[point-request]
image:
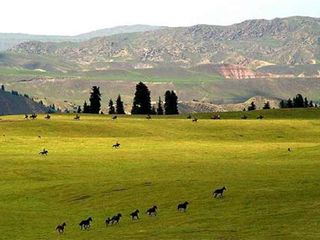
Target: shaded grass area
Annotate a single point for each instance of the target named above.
(271, 193)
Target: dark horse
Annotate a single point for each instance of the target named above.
(44, 152)
(219, 192)
(117, 145)
(33, 116)
(114, 117)
(26, 116)
(148, 117)
(183, 206)
(85, 224)
(60, 228)
(47, 117)
(195, 120)
(135, 215)
(108, 221)
(260, 117)
(77, 117)
(116, 218)
(152, 211)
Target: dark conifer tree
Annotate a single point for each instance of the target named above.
(3, 88)
(282, 104)
(160, 108)
(95, 99)
(266, 105)
(171, 103)
(298, 101)
(306, 102)
(86, 107)
(289, 103)
(111, 107)
(79, 109)
(142, 100)
(119, 106)
(252, 107)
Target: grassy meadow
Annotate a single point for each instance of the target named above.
(271, 193)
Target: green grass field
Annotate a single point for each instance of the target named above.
(271, 193)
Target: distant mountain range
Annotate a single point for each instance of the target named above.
(8, 40)
(219, 64)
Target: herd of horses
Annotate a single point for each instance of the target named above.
(152, 211)
(85, 224)
(194, 119)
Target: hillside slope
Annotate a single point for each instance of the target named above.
(16, 104)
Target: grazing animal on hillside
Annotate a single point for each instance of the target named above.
(60, 228)
(260, 117)
(77, 117)
(183, 206)
(117, 145)
(219, 192)
(195, 120)
(135, 215)
(26, 116)
(33, 116)
(85, 224)
(114, 117)
(44, 152)
(47, 117)
(152, 211)
(244, 117)
(116, 218)
(108, 221)
(148, 117)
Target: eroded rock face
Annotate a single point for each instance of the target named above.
(230, 71)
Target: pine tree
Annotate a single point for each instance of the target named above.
(171, 103)
(142, 100)
(289, 103)
(266, 105)
(3, 88)
(119, 106)
(298, 101)
(306, 102)
(252, 107)
(282, 104)
(79, 109)
(160, 108)
(95, 99)
(111, 107)
(86, 107)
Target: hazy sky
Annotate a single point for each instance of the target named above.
(69, 17)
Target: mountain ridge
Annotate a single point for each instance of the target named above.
(280, 41)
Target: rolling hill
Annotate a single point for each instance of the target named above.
(18, 104)
(9, 40)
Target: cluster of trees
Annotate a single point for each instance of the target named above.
(253, 106)
(297, 102)
(119, 109)
(141, 103)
